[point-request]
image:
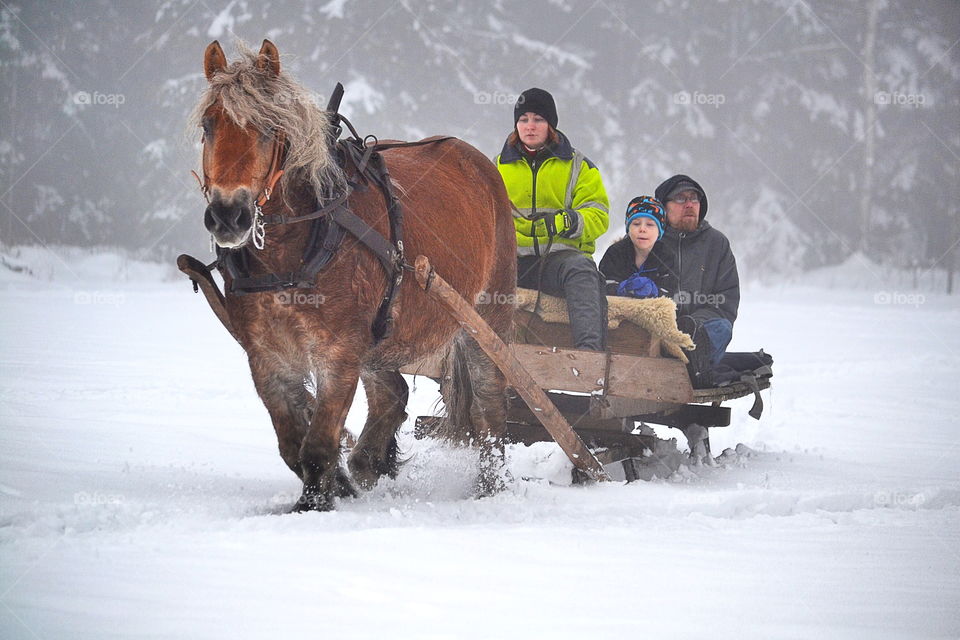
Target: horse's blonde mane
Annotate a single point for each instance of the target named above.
(257, 98)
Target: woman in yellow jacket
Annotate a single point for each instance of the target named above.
(562, 208)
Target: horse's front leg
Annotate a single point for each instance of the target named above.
(320, 449)
(284, 395)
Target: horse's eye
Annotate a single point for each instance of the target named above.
(207, 125)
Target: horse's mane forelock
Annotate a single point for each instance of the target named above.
(257, 98)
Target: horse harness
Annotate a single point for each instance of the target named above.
(329, 224)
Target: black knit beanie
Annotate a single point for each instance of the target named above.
(539, 102)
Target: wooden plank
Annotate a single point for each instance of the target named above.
(552, 368)
(525, 433)
(530, 329)
(515, 373)
(615, 407)
(627, 338)
(658, 379)
(658, 382)
(576, 419)
(564, 369)
(631, 339)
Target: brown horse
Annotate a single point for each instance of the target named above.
(308, 346)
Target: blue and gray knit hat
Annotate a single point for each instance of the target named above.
(646, 207)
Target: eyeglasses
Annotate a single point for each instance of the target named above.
(693, 197)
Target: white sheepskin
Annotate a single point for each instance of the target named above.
(656, 315)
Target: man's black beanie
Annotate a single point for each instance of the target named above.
(669, 186)
(539, 102)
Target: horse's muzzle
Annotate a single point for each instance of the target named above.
(230, 220)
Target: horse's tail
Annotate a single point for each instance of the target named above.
(457, 391)
(473, 392)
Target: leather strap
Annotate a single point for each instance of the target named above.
(277, 218)
(368, 236)
(274, 172)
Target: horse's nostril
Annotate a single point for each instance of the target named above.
(221, 214)
(221, 217)
(210, 220)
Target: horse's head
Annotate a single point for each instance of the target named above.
(241, 155)
(259, 126)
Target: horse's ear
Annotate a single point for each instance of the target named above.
(213, 60)
(269, 58)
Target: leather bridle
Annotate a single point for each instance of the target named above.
(274, 171)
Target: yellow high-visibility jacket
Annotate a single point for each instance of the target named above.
(558, 193)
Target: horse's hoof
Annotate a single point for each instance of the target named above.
(363, 473)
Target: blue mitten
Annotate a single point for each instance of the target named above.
(638, 286)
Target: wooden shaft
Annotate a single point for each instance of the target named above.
(518, 377)
(199, 273)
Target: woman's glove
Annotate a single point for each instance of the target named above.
(566, 223)
(569, 223)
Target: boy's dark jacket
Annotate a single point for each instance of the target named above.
(618, 265)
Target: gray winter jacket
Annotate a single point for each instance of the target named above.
(704, 264)
(702, 261)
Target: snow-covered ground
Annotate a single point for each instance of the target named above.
(142, 495)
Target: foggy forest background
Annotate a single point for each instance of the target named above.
(822, 131)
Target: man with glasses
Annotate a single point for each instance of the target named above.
(708, 291)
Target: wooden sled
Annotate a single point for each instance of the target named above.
(604, 395)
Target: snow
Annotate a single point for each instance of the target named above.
(155, 150)
(225, 22)
(142, 495)
(78, 269)
(333, 9)
(549, 51)
(359, 94)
